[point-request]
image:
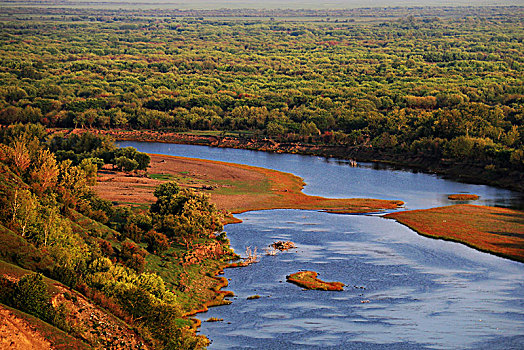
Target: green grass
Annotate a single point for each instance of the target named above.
(87, 226)
(232, 187)
(19, 272)
(192, 283)
(16, 250)
(134, 205)
(162, 177)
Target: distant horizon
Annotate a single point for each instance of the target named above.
(269, 4)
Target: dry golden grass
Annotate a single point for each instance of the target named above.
(309, 280)
(496, 230)
(233, 187)
(463, 197)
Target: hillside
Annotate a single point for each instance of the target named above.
(73, 266)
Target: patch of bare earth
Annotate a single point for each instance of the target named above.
(118, 186)
(94, 326)
(18, 334)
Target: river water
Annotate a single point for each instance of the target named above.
(403, 291)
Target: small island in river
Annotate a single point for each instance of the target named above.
(463, 197)
(309, 280)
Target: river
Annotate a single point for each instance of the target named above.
(403, 291)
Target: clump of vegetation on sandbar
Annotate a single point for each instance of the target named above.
(309, 280)
(463, 197)
(283, 245)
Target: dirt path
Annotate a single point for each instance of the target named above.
(18, 334)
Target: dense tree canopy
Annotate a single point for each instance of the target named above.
(418, 84)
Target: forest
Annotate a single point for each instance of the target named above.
(445, 87)
(442, 85)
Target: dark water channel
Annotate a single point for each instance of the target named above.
(404, 291)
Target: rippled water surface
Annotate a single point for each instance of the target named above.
(404, 291)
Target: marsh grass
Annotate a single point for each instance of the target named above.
(498, 231)
(463, 197)
(309, 280)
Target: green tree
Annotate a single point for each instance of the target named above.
(90, 168)
(143, 160)
(275, 130)
(184, 214)
(31, 296)
(24, 206)
(126, 164)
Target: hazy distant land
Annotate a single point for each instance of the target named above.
(269, 4)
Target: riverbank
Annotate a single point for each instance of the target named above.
(460, 171)
(234, 188)
(497, 231)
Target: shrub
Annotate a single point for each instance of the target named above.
(126, 164)
(30, 295)
(106, 247)
(6, 290)
(156, 242)
(133, 256)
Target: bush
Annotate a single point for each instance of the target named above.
(143, 160)
(126, 164)
(66, 275)
(30, 295)
(7, 289)
(133, 256)
(156, 242)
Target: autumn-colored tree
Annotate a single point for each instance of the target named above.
(20, 156)
(44, 172)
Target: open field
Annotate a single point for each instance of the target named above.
(495, 230)
(266, 4)
(232, 187)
